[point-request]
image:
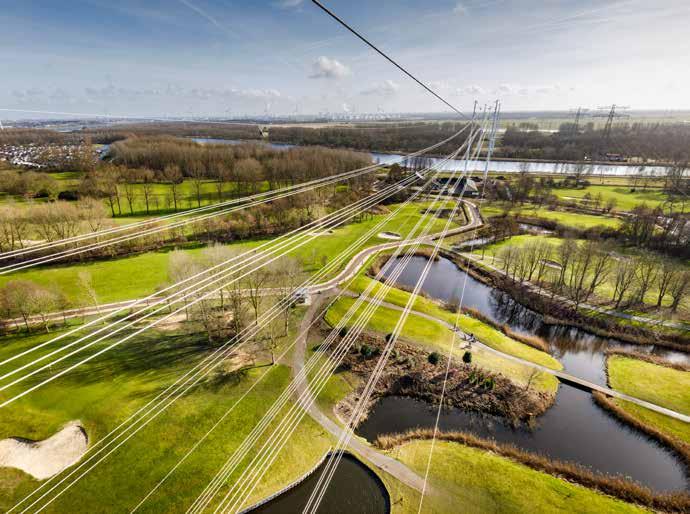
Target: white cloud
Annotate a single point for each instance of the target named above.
(385, 88)
(325, 68)
(472, 90)
(257, 93)
(289, 4)
(460, 9)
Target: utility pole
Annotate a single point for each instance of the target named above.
(576, 127)
(610, 117)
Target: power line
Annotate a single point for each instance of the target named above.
(383, 54)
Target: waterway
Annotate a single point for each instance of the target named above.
(574, 429)
(496, 166)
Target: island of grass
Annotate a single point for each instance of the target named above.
(637, 376)
(480, 481)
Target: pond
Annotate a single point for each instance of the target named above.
(575, 428)
(354, 488)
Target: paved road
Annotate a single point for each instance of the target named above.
(351, 269)
(303, 392)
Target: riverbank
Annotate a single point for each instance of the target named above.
(613, 486)
(557, 313)
(657, 380)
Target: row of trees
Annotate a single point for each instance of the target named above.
(20, 224)
(23, 299)
(29, 184)
(578, 270)
(667, 142)
(235, 306)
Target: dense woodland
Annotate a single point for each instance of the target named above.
(665, 142)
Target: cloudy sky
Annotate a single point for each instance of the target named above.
(233, 57)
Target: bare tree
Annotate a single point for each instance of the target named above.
(646, 272)
(678, 288)
(624, 276)
(147, 178)
(255, 282)
(667, 275)
(173, 176)
(85, 282)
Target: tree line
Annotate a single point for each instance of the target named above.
(578, 270)
(647, 141)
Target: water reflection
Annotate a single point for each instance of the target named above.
(354, 488)
(573, 430)
(581, 353)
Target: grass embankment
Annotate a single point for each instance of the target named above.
(658, 384)
(104, 392)
(566, 218)
(133, 277)
(481, 481)
(439, 337)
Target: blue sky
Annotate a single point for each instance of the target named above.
(214, 57)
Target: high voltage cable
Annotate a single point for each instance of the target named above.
(384, 55)
(277, 195)
(227, 469)
(180, 387)
(328, 225)
(165, 302)
(370, 307)
(288, 391)
(264, 197)
(159, 301)
(352, 333)
(457, 321)
(331, 466)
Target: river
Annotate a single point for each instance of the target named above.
(508, 166)
(575, 428)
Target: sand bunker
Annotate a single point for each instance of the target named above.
(389, 235)
(43, 459)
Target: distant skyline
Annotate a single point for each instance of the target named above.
(231, 58)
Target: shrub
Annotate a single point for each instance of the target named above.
(434, 358)
(467, 358)
(343, 332)
(368, 351)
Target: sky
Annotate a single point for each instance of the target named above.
(245, 57)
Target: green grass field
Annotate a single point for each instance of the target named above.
(437, 337)
(105, 391)
(570, 219)
(482, 482)
(140, 275)
(625, 199)
(664, 386)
